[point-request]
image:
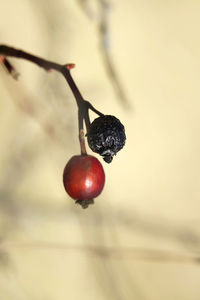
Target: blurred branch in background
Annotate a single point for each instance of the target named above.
(123, 253)
(100, 18)
(5, 259)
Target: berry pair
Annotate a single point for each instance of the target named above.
(83, 175)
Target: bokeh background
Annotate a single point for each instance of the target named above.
(140, 61)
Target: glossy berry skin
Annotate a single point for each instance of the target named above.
(83, 178)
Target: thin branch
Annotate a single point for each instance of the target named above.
(83, 106)
(45, 64)
(9, 68)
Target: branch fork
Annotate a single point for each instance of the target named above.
(83, 105)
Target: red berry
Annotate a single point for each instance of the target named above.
(83, 178)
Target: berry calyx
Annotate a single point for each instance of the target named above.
(83, 179)
(106, 136)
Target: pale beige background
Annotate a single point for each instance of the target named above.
(141, 239)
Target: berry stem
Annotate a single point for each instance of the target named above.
(81, 133)
(90, 106)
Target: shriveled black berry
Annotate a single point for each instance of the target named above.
(106, 136)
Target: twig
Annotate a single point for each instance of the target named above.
(83, 106)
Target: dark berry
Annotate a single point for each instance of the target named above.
(83, 178)
(106, 136)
